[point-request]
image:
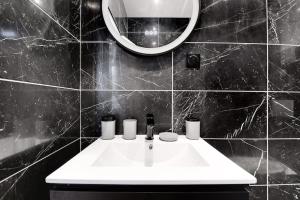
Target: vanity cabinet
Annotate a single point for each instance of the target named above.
(113, 192)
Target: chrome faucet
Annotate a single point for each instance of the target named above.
(149, 127)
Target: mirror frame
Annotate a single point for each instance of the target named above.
(110, 24)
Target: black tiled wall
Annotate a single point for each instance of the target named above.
(245, 93)
(39, 93)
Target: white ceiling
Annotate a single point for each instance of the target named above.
(158, 8)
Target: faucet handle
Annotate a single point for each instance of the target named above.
(150, 119)
(149, 126)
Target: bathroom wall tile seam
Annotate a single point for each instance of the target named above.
(172, 110)
(208, 91)
(80, 67)
(267, 86)
(38, 161)
(38, 84)
(54, 20)
(237, 43)
(226, 139)
(281, 184)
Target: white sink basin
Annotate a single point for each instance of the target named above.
(139, 154)
(133, 162)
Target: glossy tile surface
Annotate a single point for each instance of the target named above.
(258, 192)
(222, 115)
(223, 67)
(107, 66)
(284, 68)
(125, 105)
(30, 183)
(65, 12)
(231, 21)
(40, 61)
(34, 48)
(249, 154)
(93, 27)
(289, 192)
(284, 24)
(23, 20)
(33, 122)
(284, 161)
(284, 113)
(85, 142)
(37, 121)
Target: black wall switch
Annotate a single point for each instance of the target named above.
(193, 61)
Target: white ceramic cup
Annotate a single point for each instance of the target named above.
(129, 129)
(108, 129)
(192, 130)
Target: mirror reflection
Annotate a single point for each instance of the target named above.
(151, 23)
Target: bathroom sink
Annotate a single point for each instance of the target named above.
(141, 162)
(139, 154)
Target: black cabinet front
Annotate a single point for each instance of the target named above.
(84, 192)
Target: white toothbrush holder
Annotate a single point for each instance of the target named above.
(108, 127)
(129, 129)
(192, 129)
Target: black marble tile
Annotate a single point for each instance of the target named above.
(65, 12)
(223, 67)
(284, 23)
(258, 192)
(33, 122)
(178, 25)
(284, 192)
(284, 161)
(85, 142)
(284, 68)
(167, 38)
(251, 155)
(107, 66)
(222, 115)
(231, 21)
(30, 183)
(93, 27)
(39, 61)
(23, 20)
(125, 105)
(284, 114)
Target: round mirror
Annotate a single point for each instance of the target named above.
(150, 27)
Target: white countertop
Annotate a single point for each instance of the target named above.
(93, 166)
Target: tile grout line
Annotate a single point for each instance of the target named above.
(216, 91)
(263, 139)
(37, 6)
(36, 162)
(251, 139)
(272, 185)
(37, 84)
(241, 43)
(172, 103)
(80, 63)
(98, 42)
(267, 29)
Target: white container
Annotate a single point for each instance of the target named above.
(129, 129)
(108, 128)
(192, 129)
